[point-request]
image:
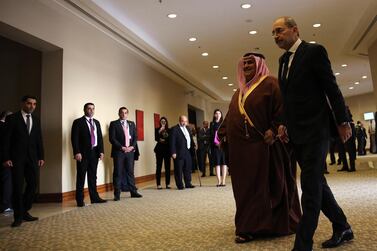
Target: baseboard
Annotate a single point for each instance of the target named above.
(71, 195)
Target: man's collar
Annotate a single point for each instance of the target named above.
(87, 118)
(24, 113)
(294, 47)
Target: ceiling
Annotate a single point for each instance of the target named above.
(348, 28)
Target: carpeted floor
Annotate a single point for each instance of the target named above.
(192, 219)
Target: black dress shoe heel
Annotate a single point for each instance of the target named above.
(338, 238)
(28, 217)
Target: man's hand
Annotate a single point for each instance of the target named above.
(174, 155)
(8, 163)
(283, 134)
(345, 132)
(101, 155)
(269, 137)
(78, 157)
(41, 162)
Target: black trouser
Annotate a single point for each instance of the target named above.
(332, 151)
(350, 148)
(316, 194)
(159, 158)
(203, 152)
(5, 188)
(123, 175)
(182, 165)
(87, 164)
(27, 171)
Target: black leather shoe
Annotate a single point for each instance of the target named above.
(295, 249)
(81, 204)
(99, 200)
(190, 186)
(180, 188)
(28, 217)
(338, 238)
(16, 223)
(343, 170)
(168, 187)
(116, 198)
(136, 195)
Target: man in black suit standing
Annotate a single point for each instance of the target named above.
(204, 136)
(23, 154)
(180, 144)
(87, 144)
(311, 97)
(123, 138)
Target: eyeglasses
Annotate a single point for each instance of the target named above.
(278, 31)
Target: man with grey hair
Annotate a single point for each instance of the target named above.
(312, 103)
(180, 143)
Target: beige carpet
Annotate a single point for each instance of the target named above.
(193, 219)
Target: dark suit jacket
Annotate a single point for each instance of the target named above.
(80, 137)
(178, 142)
(117, 137)
(204, 138)
(310, 80)
(18, 143)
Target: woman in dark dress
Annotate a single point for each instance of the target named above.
(217, 154)
(161, 149)
(263, 175)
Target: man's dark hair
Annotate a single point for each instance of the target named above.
(122, 108)
(4, 114)
(26, 97)
(88, 104)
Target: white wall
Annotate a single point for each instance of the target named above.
(98, 69)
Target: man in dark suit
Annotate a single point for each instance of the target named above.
(23, 154)
(311, 96)
(203, 147)
(123, 138)
(87, 144)
(180, 143)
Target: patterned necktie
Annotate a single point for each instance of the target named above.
(285, 61)
(126, 134)
(92, 136)
(28, 123)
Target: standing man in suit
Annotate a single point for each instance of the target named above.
(180, 144)
(308, 86)
(23, 154)
(87, 144)
(204, 136)
(123, 138)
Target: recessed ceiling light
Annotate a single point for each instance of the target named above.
(364, 77)
(344, 65)
(245, 6)
(316, 25)
(351, 87)
(356, 83)
(205, 54)
(253, 32)
(230, 84)
(234, 89)
(337, 73)
(192, 39)
(224, 77)
(215, 67)
(172, 15)
(312, 42)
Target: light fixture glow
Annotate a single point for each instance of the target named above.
(205, 54)
(234, 89)
(253, 32)
(356, 83)
(172, 15)
(192, 39)
(344, 65)
(337, 73)
(316, 25)
(224, 77)
(215, 67)
(312, 42)
(230, 84)
(364, 77)
(351, 87)
(245, 6)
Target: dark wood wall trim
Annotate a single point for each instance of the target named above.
(67, 196)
